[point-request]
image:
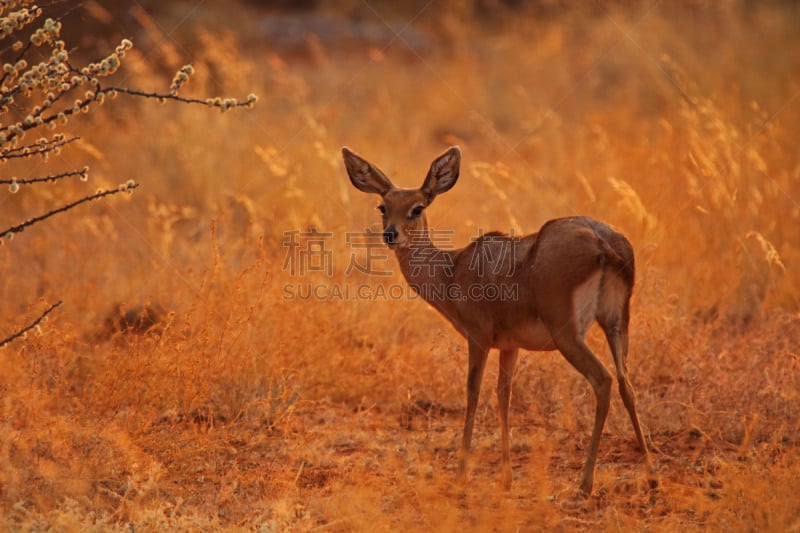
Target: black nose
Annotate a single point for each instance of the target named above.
(390, 235)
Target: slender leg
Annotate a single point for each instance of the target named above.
(508, 358)
(618, 341)
(581, 357)
(477, 362)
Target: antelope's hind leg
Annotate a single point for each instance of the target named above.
(617, 335)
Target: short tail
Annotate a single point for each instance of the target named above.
(619, 256)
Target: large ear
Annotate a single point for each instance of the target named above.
(443, 173)
(365, 176)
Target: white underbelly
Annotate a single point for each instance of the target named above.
(534, 335)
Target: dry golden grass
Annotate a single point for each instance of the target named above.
(247, 410)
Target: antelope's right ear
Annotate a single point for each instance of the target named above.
(443, 173)
(365, 176)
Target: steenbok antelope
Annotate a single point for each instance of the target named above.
(573, 272)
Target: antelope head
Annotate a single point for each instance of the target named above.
(403, 210)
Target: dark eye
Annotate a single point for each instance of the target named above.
(382, 209)
(416, 212)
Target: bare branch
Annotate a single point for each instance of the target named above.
(213, 102)
(82, 106)
(36, 148)
(99, 194)
(52, 177)
(23, 331)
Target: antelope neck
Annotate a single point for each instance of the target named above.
(422, 262)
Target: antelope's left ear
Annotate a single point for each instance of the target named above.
(364, 175)
(443, 173)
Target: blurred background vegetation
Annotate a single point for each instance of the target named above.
(673, 120)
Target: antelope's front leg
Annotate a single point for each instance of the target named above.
(477, 362)
(508, 358)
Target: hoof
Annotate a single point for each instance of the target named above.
(461, 474)
(574, 502)
(506, 481)
(652, 477)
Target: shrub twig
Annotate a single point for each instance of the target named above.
(44, 146)
(32, 325)
(82, 172)
(66, 207)
(33, 96)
